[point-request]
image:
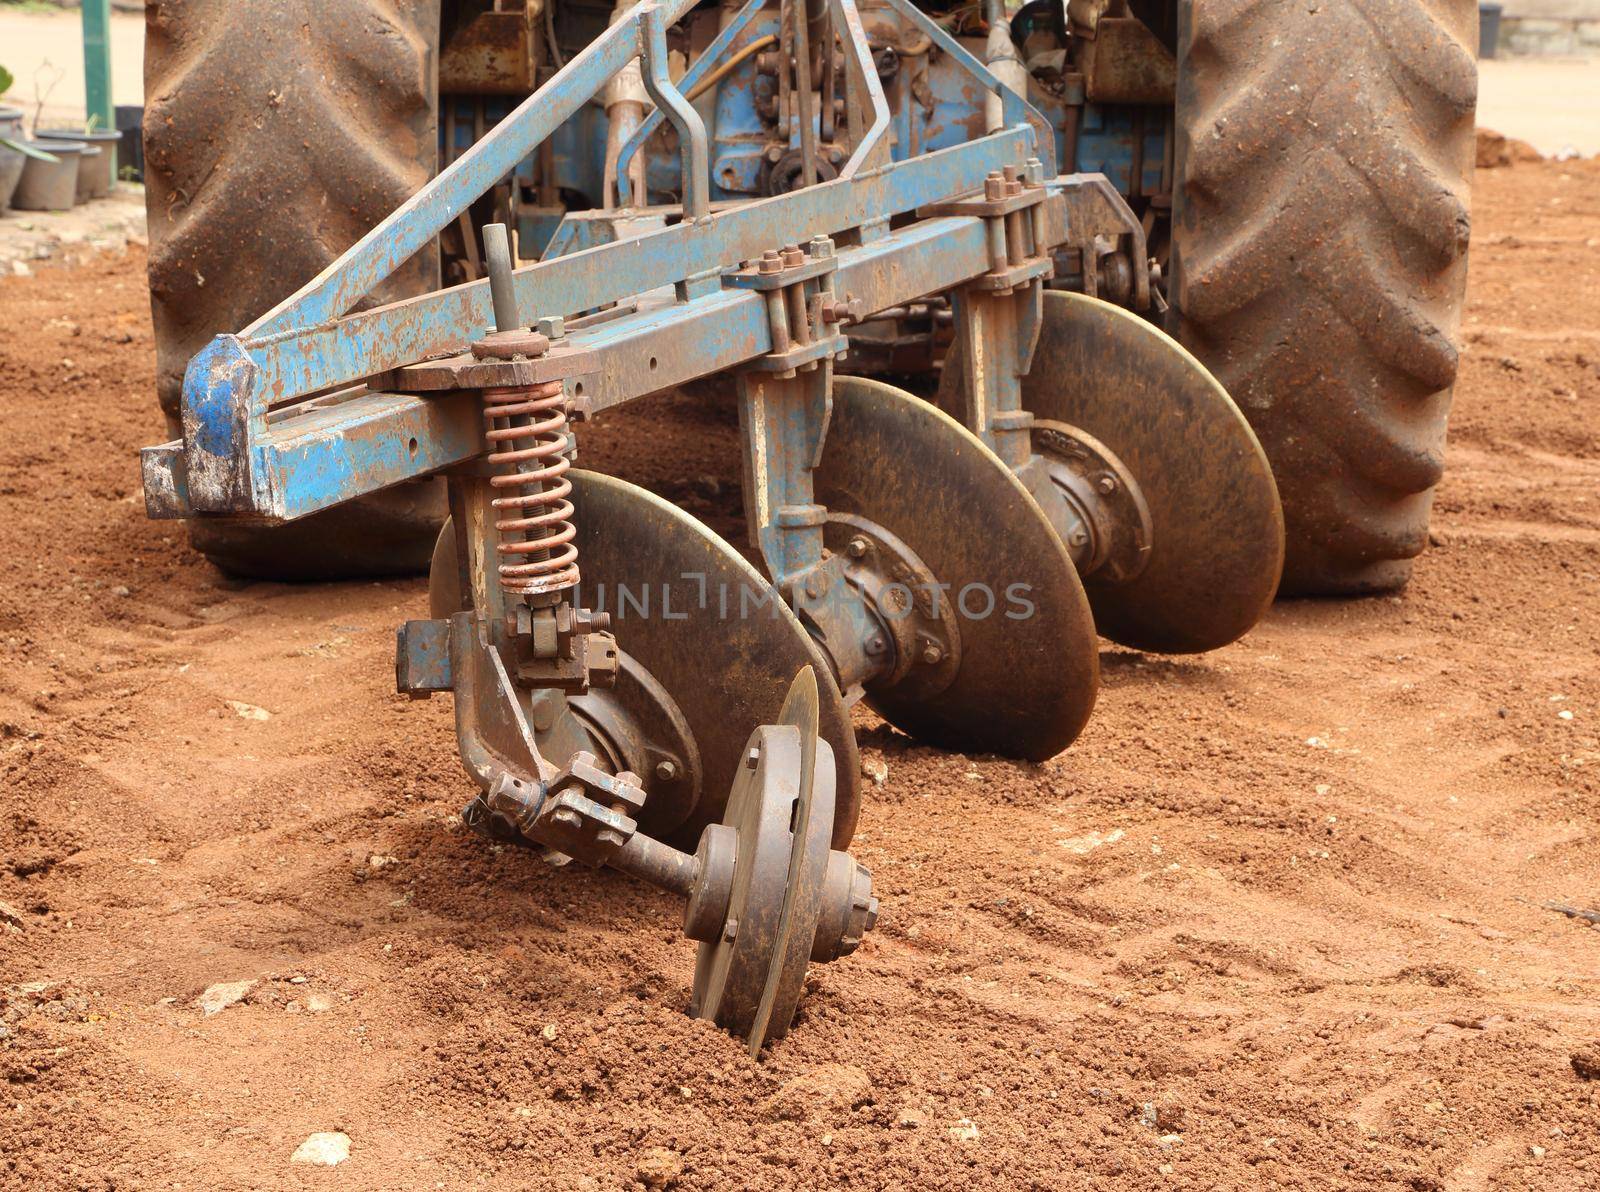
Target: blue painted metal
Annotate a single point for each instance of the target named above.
(381, 251)
(864, 92)
(1014, 108)
(422, 658)
(680, 113)
(295, 362)
(662, 344)
(713, 55)
(258, 440)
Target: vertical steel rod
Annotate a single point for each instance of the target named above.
(502, 285)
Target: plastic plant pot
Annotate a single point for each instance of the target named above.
(130, 153)
(89, 159)
(101, 171)
(49, 185)
(11, 122)
(11, 164)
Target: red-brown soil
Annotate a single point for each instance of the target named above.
(1275, 920)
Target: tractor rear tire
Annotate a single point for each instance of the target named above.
(1324, 164)
(277, 132)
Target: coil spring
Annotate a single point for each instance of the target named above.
(527, 436)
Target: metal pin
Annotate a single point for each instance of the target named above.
(502, 283)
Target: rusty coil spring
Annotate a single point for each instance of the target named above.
(527, 436)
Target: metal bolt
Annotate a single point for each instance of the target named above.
(666, 771)
(876, 646)
(774, 153)
(793, 256)
(815, 586)
(858, 546)
(1106, 484)
(551, 326)
(820, 248)
(730, 930)
(567, 818)
(771, 262)
(1033, 171)
(932, 653)
(994, 186)
(1078, 537)
(753, 758)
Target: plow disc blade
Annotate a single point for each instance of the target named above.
(707, 627)
(1217, 528)
(1030, 665)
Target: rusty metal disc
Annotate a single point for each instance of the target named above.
(1216, 525)
(749, 979)
(1030, 664)
(709, 630)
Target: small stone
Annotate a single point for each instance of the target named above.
(909, 1118)
(549, 1033)
(1090, 841)
(966, 1130)
(378, 861)
(1586, 1062)
(1563, 715)
(876, 769)
(11, 916)
(659, 1167)
(323, 1150)
(21, 269)
(121, 590)
(1166, 1169)
(1167, 1141)
(1169, 1114)
(249, 711)
(316, 1003)
(219, 997)
(1536, 1151)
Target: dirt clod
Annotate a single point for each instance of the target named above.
(659, 1167)
(1586, 1062)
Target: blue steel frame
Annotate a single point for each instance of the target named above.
(291, 416)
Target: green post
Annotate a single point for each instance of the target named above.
(97, 63)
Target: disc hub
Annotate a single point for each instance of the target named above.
(1093, 501)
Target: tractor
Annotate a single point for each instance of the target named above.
(931, 253)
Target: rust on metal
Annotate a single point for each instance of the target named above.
(1216, 529)
(768, 906)
(1029, 659)
(492, 53)
(1125, 63)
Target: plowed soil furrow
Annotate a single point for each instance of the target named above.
(1275, 921)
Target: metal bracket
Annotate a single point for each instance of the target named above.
(1094, 208)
